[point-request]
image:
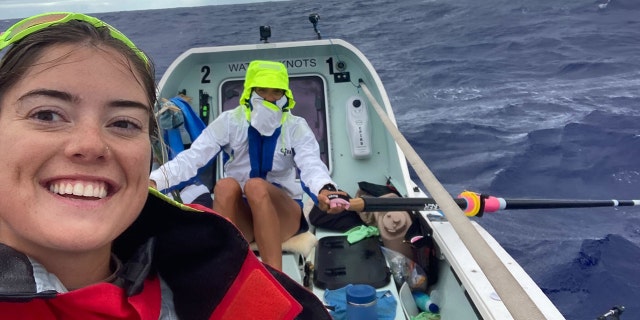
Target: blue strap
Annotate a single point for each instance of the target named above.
(304, 186)
(192, 122)
(174, 141)
(194, 126)
(261, 152)
(307, 190)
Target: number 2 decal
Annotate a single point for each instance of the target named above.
(206, 71)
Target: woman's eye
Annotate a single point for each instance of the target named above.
(46, 115)
(126, 124)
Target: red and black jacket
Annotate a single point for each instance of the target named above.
(201, 256)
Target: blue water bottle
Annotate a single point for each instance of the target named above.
(426, 302)
(361, 302)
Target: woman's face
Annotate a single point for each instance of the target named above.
(270, 94)
(74, 135)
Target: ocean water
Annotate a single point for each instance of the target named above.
(517, 99)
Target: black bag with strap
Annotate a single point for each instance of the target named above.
(338, 263)
(340, 222)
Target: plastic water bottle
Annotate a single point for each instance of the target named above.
(435, 301)
(361, 302)
(426, 302)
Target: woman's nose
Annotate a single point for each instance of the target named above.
(88, 144)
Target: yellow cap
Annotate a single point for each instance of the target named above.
(266, 74)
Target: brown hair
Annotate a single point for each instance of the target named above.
(21, 57)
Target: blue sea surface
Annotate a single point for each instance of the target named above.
(517, 99)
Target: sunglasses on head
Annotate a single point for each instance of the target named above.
(36, 23)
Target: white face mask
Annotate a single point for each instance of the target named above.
(263, 116)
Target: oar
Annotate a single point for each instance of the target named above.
(512, 294)
(477, 204)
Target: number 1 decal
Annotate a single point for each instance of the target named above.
(330, 63)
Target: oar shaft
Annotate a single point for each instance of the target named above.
(556, 204)
(397, 204)
(491, 204)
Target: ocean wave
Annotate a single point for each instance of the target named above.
(599, 271)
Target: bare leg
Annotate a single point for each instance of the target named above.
(276, 218)
(228, 201)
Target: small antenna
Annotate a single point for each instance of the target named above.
(314, 18)
(265, 33)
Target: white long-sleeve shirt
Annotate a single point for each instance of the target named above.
(296, 147)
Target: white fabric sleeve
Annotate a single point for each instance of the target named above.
(313, 172)
(186, 164)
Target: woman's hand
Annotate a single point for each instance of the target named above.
(333, 201)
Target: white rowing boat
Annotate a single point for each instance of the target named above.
(344, 101)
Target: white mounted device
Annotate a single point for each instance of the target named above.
(358, 128)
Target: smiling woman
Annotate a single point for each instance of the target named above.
(76, 114)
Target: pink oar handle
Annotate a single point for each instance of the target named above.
(493, 204)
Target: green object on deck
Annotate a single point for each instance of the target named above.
(426, 316)
(360, 232)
